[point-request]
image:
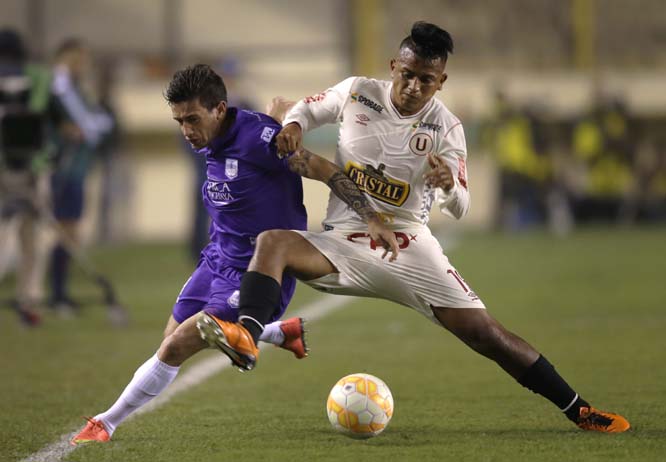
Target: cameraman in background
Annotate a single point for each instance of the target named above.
(24, 103)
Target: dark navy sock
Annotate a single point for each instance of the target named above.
(542, 378)
(59, 273)
(259, 298)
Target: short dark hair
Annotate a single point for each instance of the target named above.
(428, 41)
(198, 81)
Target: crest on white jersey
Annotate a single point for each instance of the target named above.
(231, 168)
(267, 134)
(421, 144)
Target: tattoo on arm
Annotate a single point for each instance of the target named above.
(346, 189)
(305, 163)
(299, 163)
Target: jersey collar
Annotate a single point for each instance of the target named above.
(425, 108)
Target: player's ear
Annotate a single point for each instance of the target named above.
(392, 65)
(442, 79)
(221, 109)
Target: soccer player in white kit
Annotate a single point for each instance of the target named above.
(406, 151)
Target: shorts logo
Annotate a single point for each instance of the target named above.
(421, 144)
(231, 168)
(267, 134)
(403, 240)
(234, 299)
(372, 181)
(355, 97)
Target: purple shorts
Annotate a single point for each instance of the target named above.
(215, 288)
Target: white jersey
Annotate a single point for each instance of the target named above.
(385, 152)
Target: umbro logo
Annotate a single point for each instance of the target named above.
(362, 119)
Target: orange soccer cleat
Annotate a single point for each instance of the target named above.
(231, 338)
(593, 419)
(294, 337)
(94, 431)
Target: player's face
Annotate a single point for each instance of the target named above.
(198, 124)
(415, 81)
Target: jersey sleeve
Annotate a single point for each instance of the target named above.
(456, 201)
(263, 152)
(323, 108)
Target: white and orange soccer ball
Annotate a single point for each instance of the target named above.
(360, 406)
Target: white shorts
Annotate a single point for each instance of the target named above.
(421, 276)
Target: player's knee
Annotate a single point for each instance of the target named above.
(273, 242)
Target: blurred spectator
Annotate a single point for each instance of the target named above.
(82, 128)
(646, 200)
(24, 97)
(603, 148)
(518, 141)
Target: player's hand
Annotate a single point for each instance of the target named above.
(440, 176)
(278, 108)
(289, 139)
(381, 234)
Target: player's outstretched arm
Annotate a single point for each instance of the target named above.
(315, 167)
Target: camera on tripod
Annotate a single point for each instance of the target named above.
(22, 130)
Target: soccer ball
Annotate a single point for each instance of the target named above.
(360, 406)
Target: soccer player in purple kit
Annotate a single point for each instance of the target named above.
(249, 189)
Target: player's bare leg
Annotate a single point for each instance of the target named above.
(182, 344)
(171, 326)
(485, 335)
(276, 251)
(481, 332)
(181, 341)
(279, 250)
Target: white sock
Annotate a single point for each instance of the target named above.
(149, 380)
(272, 334)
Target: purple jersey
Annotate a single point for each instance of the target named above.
(249, 189)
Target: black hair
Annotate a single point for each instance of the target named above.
(428, 41)
(198, 81)
(69, 44)
(11, 45)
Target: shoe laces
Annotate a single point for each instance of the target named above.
(594, 418)
(97, 424)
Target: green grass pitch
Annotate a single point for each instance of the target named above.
(593, 303)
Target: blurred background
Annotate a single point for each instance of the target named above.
(563, 102)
